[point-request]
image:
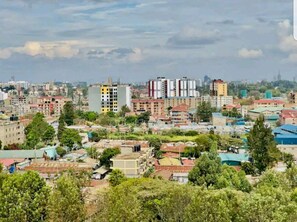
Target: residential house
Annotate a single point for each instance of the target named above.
(288, 116)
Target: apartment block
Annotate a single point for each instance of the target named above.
(218, 88)
(168, 88)
(109, 97)
(218, 101)
(51, 105)
(191, 102)
(133, 164)
(11, 132)
(154, 106)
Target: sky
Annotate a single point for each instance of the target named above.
(136, 40)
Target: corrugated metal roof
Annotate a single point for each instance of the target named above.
(12, 154)
(233, 157)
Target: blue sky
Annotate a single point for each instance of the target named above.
(133, 40)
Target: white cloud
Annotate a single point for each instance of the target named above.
(5, 53)
(287, 43)
(59, 49)
(250, 53)
(137, 56)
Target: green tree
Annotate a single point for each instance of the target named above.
(91, 116)
(92, 152)
(262, 146)
(61, 126)
(49, 134)
(248, 168)
(70, 137)
(23, 197)
(206, 170)
(61, 151)
(116, 177)
(66, 201)
(124, 109)
(68, 111)
(143, 117)
(0, 144)
(107, 155)
(38, 130)
(204, 111)
(231, 178)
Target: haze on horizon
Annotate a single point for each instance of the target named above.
(134, 40)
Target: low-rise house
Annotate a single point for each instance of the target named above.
(288, 116)
(286, 138)
(50, 168)
(233, 159)
(270, 113)
(175, 166)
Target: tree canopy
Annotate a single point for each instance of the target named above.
(262, 146)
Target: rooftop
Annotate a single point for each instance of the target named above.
(269, 101)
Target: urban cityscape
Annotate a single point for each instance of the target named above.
(114, 126)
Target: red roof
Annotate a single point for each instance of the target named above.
(289, 113)
(269, 101)
(173, 148)
(180, 108)
(147, 100)
(8, 162)
(188, 162)
(231, 106)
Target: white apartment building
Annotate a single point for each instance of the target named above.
(169, 88)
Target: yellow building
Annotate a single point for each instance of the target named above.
(218, 88)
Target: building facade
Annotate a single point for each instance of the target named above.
(268, 103)
(192, 102)
(51, 105)
(218, 88)
(218, 101)
(180, 115)
(154, 106)
(11, 132)
(288, 116)
(168, 88)
(133, 164)
(109, 97)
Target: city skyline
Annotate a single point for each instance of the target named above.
(135, 41)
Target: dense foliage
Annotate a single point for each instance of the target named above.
(107, 155)
(262, 146)
(158, 200)
(38, 131)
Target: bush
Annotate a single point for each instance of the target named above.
(61, 151)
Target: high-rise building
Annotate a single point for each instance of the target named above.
(218, 88)
(109, 97)
(169, 88)
(11, 132)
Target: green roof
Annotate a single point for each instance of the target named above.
(21, 154)
(263, 109)
(227, 157)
